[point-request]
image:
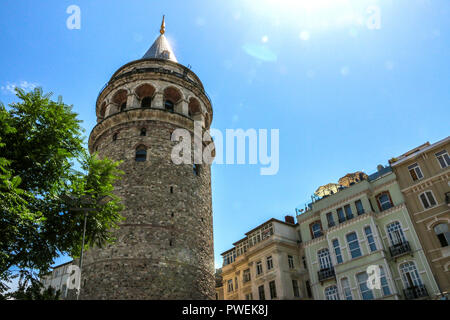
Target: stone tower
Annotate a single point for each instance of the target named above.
(164, 248)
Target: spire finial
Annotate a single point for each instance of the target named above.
(163, 26)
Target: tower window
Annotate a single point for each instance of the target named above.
(196, 169)
(143, 132)
(123, 106)
(146, 102)
(169, 105)
(141, 154)
(114, 137)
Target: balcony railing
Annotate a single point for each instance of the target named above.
(325, 274)
(415, 292)
(399, 249)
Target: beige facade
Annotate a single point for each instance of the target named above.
(58, 278)
(266, 264)
(424, 178)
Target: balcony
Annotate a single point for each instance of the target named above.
(399, 249)
(325, 274)
(415, 292)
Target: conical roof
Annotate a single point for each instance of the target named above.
(161, 48)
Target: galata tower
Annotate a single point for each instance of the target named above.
(164, 248)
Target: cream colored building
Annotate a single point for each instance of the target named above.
(423, 174)
(266, 264)
(57, 279)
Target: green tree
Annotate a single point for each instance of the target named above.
(41, 193)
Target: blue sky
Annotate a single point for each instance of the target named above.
(344, 97)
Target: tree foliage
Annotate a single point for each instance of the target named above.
(42, 195)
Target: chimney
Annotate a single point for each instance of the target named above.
(289, 219)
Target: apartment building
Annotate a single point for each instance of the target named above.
(266, 264)
(423, 175)
(57, 279)
(364, 224)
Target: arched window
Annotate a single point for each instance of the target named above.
(395, 233)
(169, 105)
(443, 234)
(410, 276)
(143, 132)
(141, 154)
(366, 292)
(146, 102)
(331, 293)
(123, 106)
(324, 259)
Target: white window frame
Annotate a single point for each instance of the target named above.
(367, 238)
(331, 292)
(445, 159)
(417, 171)
(391, 234)
(348, 245)
(269, 261)
(365, 283)
(324, 259)
(346, 289)
(340, 250)
(413, 272)
(291, 262)
(259, 271)
(425, 193)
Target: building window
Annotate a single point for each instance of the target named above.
(269, 263)
(427, 199)
(114, 138)
(123, 107)
(331, 293)
(295, 288)
(415, 172)
(316, 229)
(366, 293)
(443, 159)
(143, 132)
(441, 231)
(304, 262)
(409, 274)
(359, 207)
(395, 233)
(370, 239)
(348, 212)
(353, 245)
(230, 285)
(236, 283)
(262, 294)
(248, 296)
(324, 259)
(337, 251)
(169, 105)
(330, 220)
(341, 216)
(384, 284)
(146, 102)
(259, 268)
(273, 290)
(196, 169)
(346, 289)
(384, 201)
(246, 275)
(308, 289)
(141, 154)
(291, 262)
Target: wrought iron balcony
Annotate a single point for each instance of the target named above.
(399, 249)
(325, 274)
(415, 292)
